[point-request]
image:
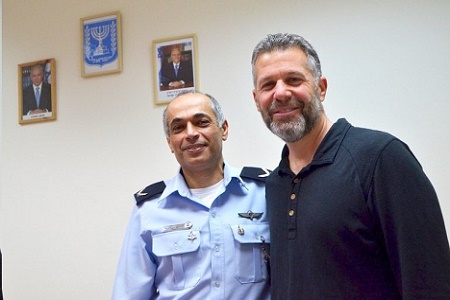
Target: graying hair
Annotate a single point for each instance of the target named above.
(284, 41)
(37, 67)
(215, 106)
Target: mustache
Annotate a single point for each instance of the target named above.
(193, 146)
(291, 103)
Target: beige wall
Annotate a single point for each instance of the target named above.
(66, 186)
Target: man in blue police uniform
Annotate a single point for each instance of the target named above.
(353, 214)
(204, 233)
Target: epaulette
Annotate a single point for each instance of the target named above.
(258, 174)
(149, 192)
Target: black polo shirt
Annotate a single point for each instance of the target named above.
(361, 221)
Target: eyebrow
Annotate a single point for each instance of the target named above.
(196, 116)
(288, 73)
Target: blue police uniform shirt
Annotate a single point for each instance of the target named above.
(175, 247)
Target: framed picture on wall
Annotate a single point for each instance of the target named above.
(101, 46)
(37, 91)
(174, 67)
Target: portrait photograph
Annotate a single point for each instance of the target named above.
(175, 67)
(101, 49)
(37, 91)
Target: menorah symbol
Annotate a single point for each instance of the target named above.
(100, 33)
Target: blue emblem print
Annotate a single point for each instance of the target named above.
(160, 56)
(100, 42)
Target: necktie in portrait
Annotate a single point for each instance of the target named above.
(38, 97)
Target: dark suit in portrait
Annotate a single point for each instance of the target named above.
(29, 99)
(185, 73)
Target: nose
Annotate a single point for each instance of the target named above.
(282, 91)
(191, 131)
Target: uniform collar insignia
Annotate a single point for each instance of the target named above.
(250, 215)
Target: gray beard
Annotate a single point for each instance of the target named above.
(295, 130)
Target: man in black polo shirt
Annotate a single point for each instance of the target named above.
(352, 214)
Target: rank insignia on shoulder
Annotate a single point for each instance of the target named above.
(149, 192)
(250, 215)
(258, 174)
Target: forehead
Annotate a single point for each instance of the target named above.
(36, 71)
(289, 60)
(189, 106)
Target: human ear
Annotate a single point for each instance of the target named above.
(255, 98)
(225, 130)
(323, 85)
(170, 145)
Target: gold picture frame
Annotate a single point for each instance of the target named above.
(169, 80)
(101, 44)
(37, 91)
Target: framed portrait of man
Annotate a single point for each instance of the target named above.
(174, 67)
(37, 91)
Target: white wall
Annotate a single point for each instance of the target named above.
(66, 186)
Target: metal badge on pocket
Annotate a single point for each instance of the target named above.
(175, 227)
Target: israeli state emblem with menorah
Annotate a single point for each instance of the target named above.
(100, 42)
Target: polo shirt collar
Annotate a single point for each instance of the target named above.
(327, 150)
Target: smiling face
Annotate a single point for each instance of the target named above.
(195, 137)
(286, 94)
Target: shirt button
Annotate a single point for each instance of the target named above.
(217, 283)
(296, 180)
(291, 212)
(292, 196)
(213, 215)
(217, 248)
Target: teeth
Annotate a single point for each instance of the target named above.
(285, 110)
(193, 147)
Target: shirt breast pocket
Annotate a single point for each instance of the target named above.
(250, 242)
(180, 256)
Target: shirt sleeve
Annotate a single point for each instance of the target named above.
(412, 227)
(136, 270)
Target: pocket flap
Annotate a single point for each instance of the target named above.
(178, 242)
(251, 233)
